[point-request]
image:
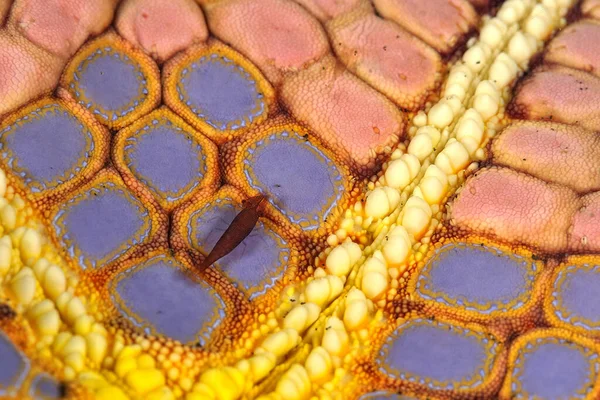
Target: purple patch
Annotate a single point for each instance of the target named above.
(47, 147)
(220, 92)
(438, 355)
(14, 367)
(554, 369)
(301, 181)
(166, 159)
(101, 224)
(475, 277)
(159, 297)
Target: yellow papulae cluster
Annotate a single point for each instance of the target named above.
(65, 334)
(403, 207)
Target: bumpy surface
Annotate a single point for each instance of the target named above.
(430, 229)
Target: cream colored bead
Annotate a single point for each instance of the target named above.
(493, 32)
(83, 324)
(460, 75)
(30, 246)
(397, 246)
(301, 317)
(39, 268)
(421, 147)
(440, 115)
(338, 261)
(539, 24)
(280, 343)
(262, 364)
(512, 11)
(294, 384)
(54, 281)
(377, 204)
(335, 339)
(75, 344)
(356, 313)
(455, 104)
(503, 71)
(453, 158)
(476, 57)
(470, 134)
(97, 346)
(23, 286)
(434, 185)
(420, 119)
(74, 310)
(47, 323)
(319, 365)
(5, 257)
(393, 197)
(521, 47)
(323, 290)
(8, 217)
(455, 90)
(374, 284)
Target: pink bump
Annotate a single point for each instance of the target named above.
(584, 235)
(441, 23)
(576, 46)
(325, 10)
(559, 94)
(161, 28)
(26, 71)
(345, 112)
(59, 26)
(557, 153)
(390, 59)
(277, 35)
(516, 208)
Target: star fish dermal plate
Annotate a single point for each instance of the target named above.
(552, 363)
(160, 298)
(264, 260)
(572, 300)
(217, 91)
(52, 146)
(103, 220)
(14, 368)
(115, 81)
(306, 185)
(164, 154)
(474, 279)
(437, 357)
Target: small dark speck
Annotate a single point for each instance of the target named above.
(478, 62)
(277, 185)
(384, 48)
(293, 300)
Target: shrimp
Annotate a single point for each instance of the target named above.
(236, 232)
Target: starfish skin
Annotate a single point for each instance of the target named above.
(429, 228)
